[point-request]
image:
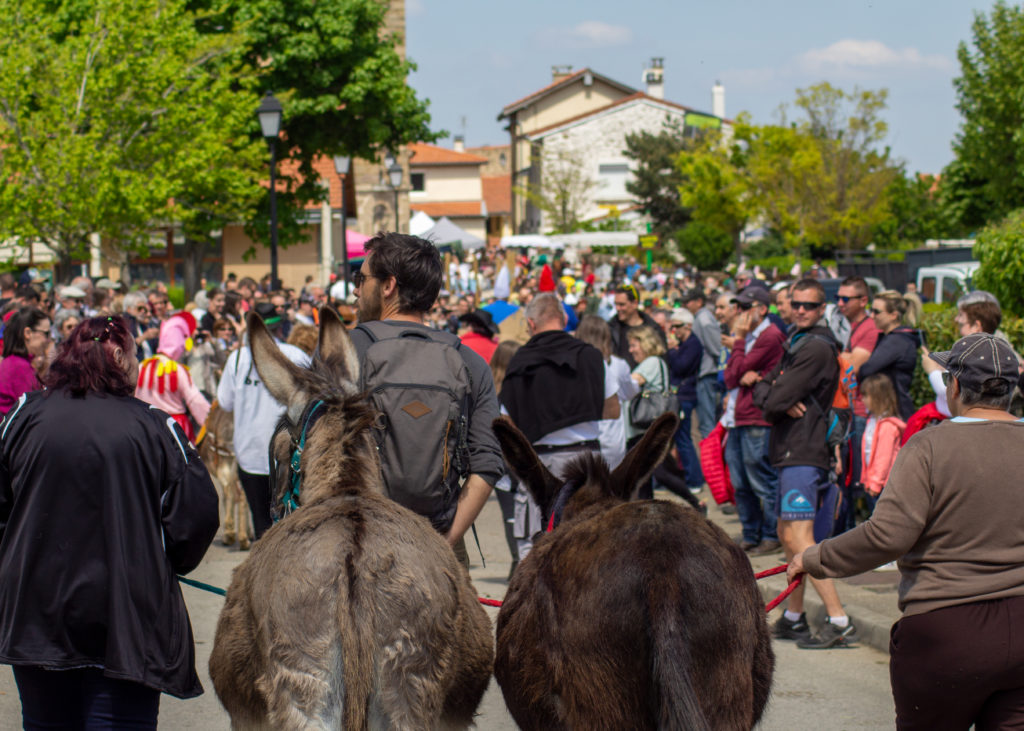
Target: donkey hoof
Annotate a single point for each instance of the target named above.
(228, 539)
(243, 545)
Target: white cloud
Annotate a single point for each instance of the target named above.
(588, 34)
(851, 55)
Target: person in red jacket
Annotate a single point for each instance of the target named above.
(756, 350)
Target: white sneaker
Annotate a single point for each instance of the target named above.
(891, 566)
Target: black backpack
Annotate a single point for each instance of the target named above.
(421, 388)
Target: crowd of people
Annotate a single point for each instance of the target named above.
(574, 353)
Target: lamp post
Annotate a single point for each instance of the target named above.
(342, 164)
(395, 178)
(269, 114)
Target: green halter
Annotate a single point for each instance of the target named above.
(290, 500)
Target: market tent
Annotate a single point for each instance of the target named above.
(531, 241)
(445, 232)
(601, 238)
(420, 223)
(354, 243)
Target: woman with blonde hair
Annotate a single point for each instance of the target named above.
(895, 355)
(592, 329)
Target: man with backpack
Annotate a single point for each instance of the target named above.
(796, 399)
(436, 398)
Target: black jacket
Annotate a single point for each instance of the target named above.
(552, 382)
(895, 355)
(807, 373)
(102, 502)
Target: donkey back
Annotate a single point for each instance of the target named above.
(629, 614)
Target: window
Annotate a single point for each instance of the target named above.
(613, 177)
(417, 182)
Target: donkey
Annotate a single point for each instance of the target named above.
(638, 615)
(351, 612)
(216, 449)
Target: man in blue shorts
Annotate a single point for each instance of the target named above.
(795, 398)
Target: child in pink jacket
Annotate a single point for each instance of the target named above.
(882, 435)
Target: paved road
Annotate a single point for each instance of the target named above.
(835, 689)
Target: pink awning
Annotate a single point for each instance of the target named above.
(354, 241)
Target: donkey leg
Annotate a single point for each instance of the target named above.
(245, 531)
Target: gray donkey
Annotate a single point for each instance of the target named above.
(628, 614)
(352, 612)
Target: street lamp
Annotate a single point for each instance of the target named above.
(342, 164)
(269, 114)
(395, 178)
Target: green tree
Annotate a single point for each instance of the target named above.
(704, 246)
(987, 179)
(109, 111)
(340, 79)
(1000, 249)
(916, 213)
(716, 186)
(656, 179)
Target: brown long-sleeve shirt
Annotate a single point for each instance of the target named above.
(952, 513)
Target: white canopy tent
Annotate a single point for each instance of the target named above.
(576, 241)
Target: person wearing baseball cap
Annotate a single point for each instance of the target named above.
(950, 515)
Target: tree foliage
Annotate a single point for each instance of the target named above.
(704, 246)
(656, 178)
(109, 111)
(1000, 249)
(916, 213)
(986, 181)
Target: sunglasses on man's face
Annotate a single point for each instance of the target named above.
(843, 299)
(744, 305)
(876, 311)
(805, 305)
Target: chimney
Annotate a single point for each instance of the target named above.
(654, 78)
(718, 99)
(560, 72)
(460, 143)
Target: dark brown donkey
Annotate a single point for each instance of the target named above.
(638, 615)
(352, 612)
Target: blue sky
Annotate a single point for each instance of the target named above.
(476, 56)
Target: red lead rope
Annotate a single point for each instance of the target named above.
(759, 575)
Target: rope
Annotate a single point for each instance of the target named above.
(200, 585)
(759, 575)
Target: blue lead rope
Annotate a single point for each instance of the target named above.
(201, 585)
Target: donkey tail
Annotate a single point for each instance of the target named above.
(678, 707)
(357, 666)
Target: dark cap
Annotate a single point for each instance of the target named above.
(976, 358)
(482, 319)
(692, 294)
(268, 313)
(754, 295)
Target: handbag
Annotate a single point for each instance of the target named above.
(648, 405)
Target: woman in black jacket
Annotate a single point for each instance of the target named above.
(102, 502)
(895, 355)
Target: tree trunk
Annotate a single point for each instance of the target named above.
(62, 267)
(737, 244)
(192, 260)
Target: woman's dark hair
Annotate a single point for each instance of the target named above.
(95, 358)
(415, 264)
(231, 301)
(14, 330)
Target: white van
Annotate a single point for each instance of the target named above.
(946, 283)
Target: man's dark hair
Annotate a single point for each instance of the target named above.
(27, 292)
(7, 281)
(630, 291)
(986, 314)
(806, 285)
(858, 283)
(415, 264)
(213, 292)
(995, 393)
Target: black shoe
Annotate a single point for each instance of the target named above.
(829, 636)
(728, 509)
(784, 629)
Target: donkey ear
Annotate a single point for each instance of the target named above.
(281, 377)
(525, 463)
(335, 346)
(638, 464)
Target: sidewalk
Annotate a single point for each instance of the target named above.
(869, 598)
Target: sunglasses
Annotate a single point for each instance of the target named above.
(844, 299)
(745, 305)
(946, 378)
(876, 311)
(358, 278)
(805, 305)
